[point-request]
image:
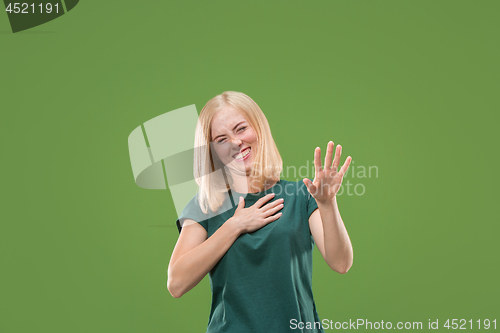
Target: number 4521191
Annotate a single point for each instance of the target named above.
(25, 8)
(464, 324)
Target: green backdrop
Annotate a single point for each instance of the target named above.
(410, 87)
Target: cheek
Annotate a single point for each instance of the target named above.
(222, 152)
(251, 136)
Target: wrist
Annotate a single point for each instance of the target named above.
(327, 201)
(234, 226)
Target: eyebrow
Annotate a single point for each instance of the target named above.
(238, 124)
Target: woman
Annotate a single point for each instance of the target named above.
(253, 232)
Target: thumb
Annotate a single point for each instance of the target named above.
(309, 185)
(241, 203)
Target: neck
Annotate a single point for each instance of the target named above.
(242, 184)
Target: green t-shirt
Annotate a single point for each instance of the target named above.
(264, 281)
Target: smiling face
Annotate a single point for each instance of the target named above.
(233, 139)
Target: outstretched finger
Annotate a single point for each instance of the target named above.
(344, 168)
(259, 203)
(273, 210)
(272, 204)
(329, 154)
(336, 160)
(272, 218)
(317, 160)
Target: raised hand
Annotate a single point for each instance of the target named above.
(327, 180)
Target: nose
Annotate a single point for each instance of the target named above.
(236, 141)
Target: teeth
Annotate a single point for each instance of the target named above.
(240, 156)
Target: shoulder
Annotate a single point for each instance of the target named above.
(191, 211)
(297, 196)
(193, 206)
(298, 190)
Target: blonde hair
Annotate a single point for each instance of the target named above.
(267, 160)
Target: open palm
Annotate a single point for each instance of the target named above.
(327, 180)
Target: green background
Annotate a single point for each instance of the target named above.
(410, 87)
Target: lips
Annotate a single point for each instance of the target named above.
(242, 153)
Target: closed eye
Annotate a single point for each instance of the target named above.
(241, 129)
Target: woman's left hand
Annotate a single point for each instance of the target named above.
(327, 180)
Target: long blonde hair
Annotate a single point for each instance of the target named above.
(267, 166)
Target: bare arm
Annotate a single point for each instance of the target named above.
(330, 235)
(194, 255)
(326, 224)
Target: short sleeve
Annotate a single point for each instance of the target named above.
(193, 211)
(312, 205)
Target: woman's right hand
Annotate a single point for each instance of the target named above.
(195, 254)
(256, 216)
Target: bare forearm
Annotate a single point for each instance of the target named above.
(338, 248)
(187, 271)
